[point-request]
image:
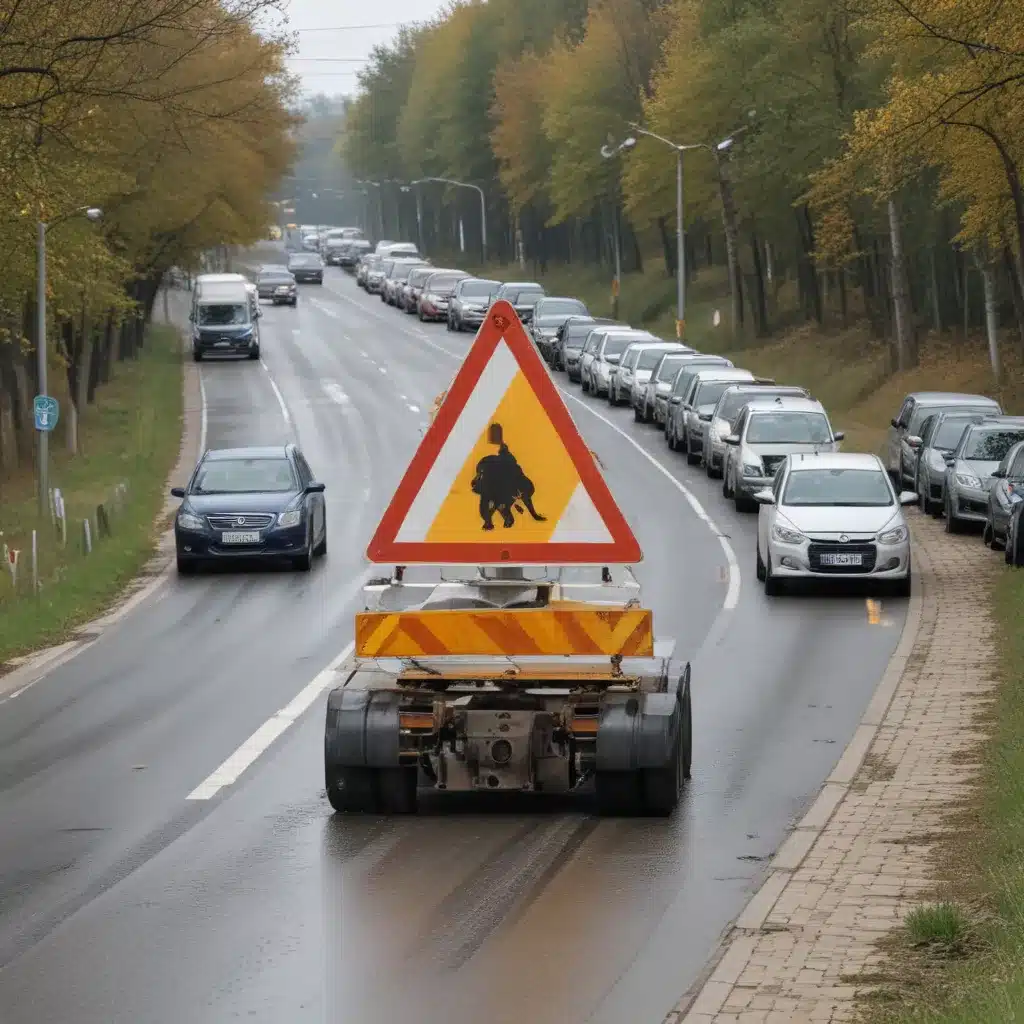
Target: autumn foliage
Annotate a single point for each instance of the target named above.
(171, 117)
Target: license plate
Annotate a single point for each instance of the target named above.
(841, 559)
(223, 344)
(240, 537)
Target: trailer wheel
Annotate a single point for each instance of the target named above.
(686, 730)
(396, 788)
(664, 785)
(619, 794)
(351, 790)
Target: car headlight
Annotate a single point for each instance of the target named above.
(188, 521)
(966, 480)
(751, 470)
(780, 533)
(895, 536)
(292, 518)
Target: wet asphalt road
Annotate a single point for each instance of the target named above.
(121, 901)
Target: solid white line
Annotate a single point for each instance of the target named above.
(277, 394)
(414, 408)
(258, 743)
(203, 413)
(383, 369)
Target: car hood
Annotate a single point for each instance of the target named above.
(983, 470)
(272, 501)
(227, 330)
(853, 521)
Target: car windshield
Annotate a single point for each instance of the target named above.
(788, 428)
(526, 296)
(275, 275)
(710, 392)
(401, 271)
(866, 488)
(731, 404)
(947, 437)
(304, 261)
(615, 346)
(478, 290)
(669, 366)
(553, 307)
(576, 336)
(242, 476)
(223, 314)
(443, 283)
(990, 444)
(649, 358)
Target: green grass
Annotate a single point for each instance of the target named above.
(130, 436)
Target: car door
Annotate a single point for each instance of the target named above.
(767, 514)
(896, 431)
(313, 505)
(731, 450)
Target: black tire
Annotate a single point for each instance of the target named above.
(901, 588)
(988, 535)
(321, 548)
(953, 525)
(197, 356)
(637, 415)
(773, 586)
(584, 385)
(744, 504)
(304, 562)
(662, 786)
(186, 566)
(760, 571)
(396, 790)
(692, 458)
(255, 354)
(351, 790)
(618, 794)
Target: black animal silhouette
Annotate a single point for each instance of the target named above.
(502, 485)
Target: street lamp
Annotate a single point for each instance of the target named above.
(93, 213)
(609, 153)
(483, 206)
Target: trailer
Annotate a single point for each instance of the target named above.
(498, 683)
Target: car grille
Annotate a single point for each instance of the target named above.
(772, 463)
(867, 552)
(230, 520)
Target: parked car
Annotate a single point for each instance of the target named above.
(394, 282)
(970, 467)
(705, 390)
(306, 267)
(661, 388)
(413, 287)
(681, 378)
(1006, 492)
(548, 315)
(437, 293)
(767, 431)
(245, 503)
(351, 252)
(833, 516)
(377, 273)
(590, 347)
(913, 412)
(470, 301)
(603, 368)
(717, 425)
(278, 285)
(638, 361)
(225, 321)
(366, 261)
(940, 434)
(524, 296)
(572, 337)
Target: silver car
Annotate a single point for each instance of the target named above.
(574, 340)
(655, 402)
(703, 396)
(915, 409)
(594, 341)
(716, 425)
(969, 469)
(766, 432)
(833, 516)
(604, 367)
(638, 362)
(940, 434)
(680, 386)
(1006, 491)
(394, 282)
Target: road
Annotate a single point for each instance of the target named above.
(122, 900)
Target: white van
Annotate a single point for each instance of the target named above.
(224, 320)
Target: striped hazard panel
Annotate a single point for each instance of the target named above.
(629, 632)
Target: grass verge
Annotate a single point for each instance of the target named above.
(130, 436)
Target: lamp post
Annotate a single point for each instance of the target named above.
(483, 206)
(609, 153)
(94, 213)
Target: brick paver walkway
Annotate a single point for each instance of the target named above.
(860, 859)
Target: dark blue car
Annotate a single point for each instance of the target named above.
(246, 503)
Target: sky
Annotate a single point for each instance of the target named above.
(334, 39)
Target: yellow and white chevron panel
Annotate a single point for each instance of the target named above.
(542, 631)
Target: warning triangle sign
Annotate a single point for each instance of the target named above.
(502, 476)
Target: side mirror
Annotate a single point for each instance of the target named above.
(734, 439)
(705, 417)
(913, 441)
(177, 492)
(675, 399)
(315, 488)
(1000, 473)
(765, 497)
(257, 313)
(839, 435)
(895, 422)
(908, 498)
(949, 458)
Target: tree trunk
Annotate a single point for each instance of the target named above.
(667, 247)
(1010, 266)
(906, 342)
(732, 254)
(760, 298)
(988, 283)
(934, 287)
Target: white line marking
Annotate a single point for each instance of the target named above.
(203, 414)
(383, 369)
(296, 331)
(277, 394)
(334, 392)
(413, 408)
(258, 743)
(404, 398)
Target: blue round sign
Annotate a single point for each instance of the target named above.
(47, 411)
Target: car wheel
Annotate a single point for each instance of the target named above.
(197, 356)
(988, 535)
(186, 566)
(304, 562)
(254, 354)
(953, 525)
(321, 548)
(744, 504)
(773, 586)
(760, 564)
(584, 384)
(638, 416)
(692, 458)
(712, 470)
(901, 588)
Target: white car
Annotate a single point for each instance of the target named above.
(832, 516)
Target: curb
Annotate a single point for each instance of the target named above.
(30, 668)
(707, 995)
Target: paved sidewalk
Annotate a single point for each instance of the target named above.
(860, 859)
